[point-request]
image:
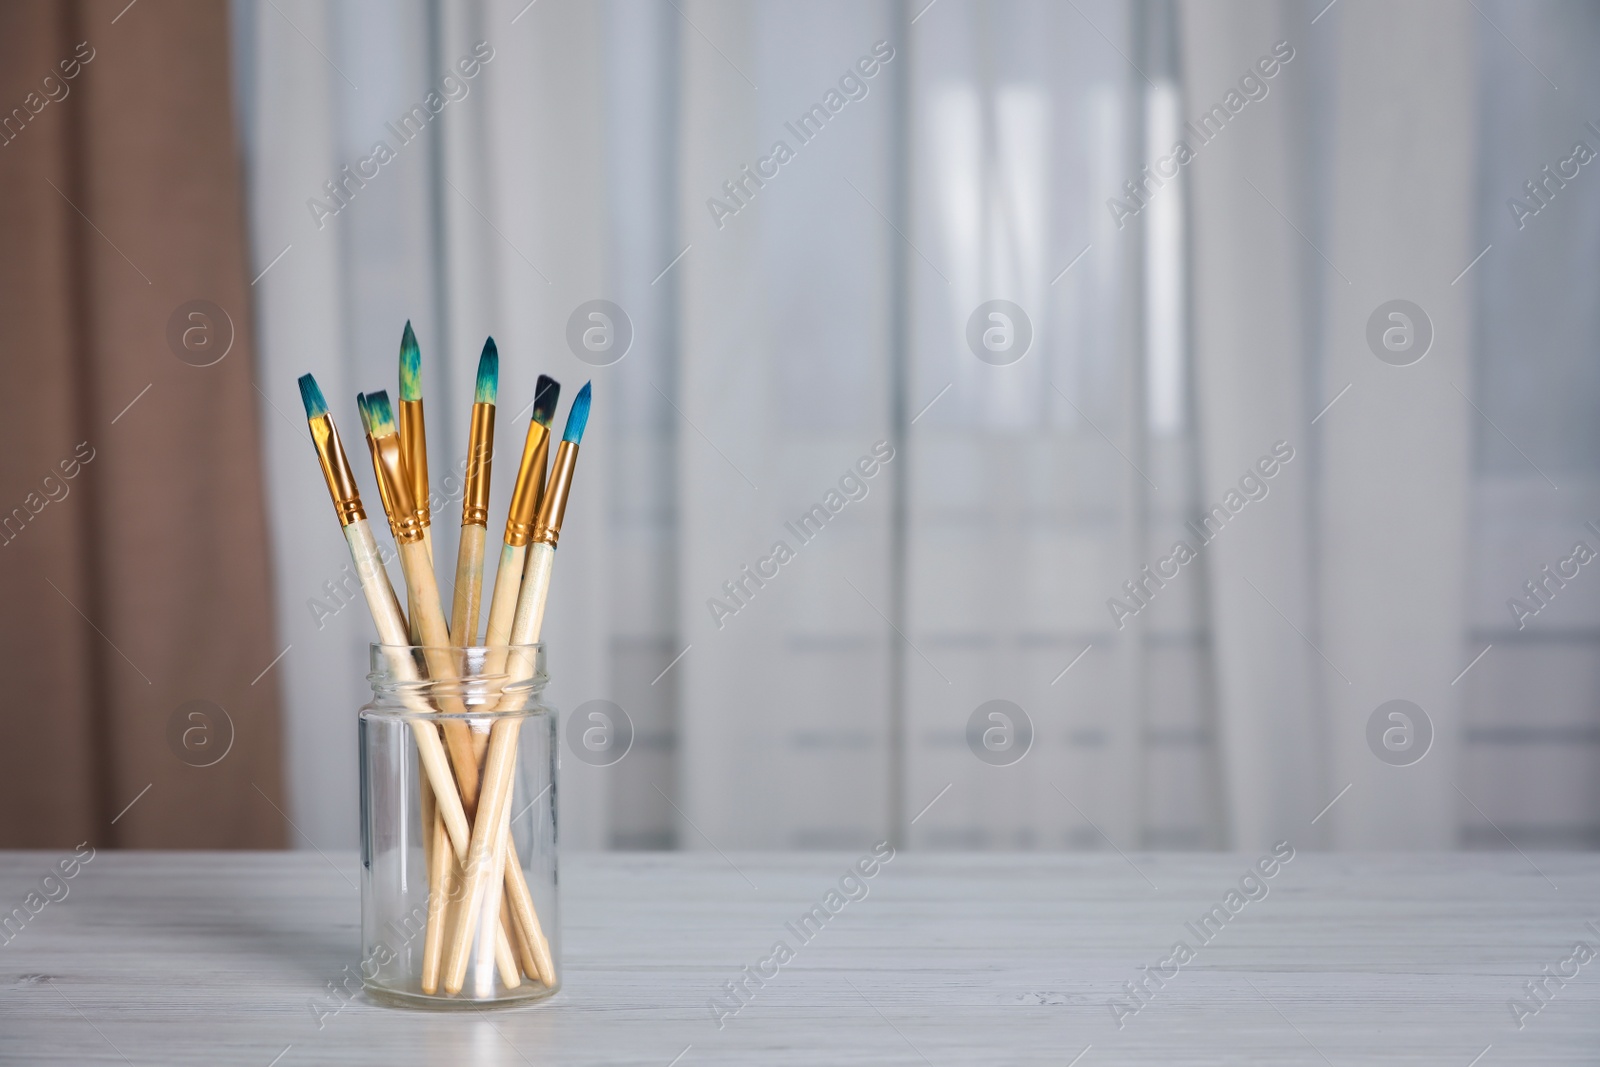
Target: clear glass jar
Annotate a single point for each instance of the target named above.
(437, 932)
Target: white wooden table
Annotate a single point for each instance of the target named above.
(216, 959)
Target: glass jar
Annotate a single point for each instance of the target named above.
(437, 931)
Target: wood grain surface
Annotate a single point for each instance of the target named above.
(214, 959)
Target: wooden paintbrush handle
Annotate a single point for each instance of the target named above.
(445, 886)
(492, 924)
(505, 958)
(508, 925)
(413, 631)
(423, 589)
(503, 606)
(392, 635)
(441, 883)
(507, 584)
(529, 620)
(480, 857)
(534, 948)
(413, 635)
(468, 601)
(429, 813)
(502, 611)
(500, 767)
(464, 614)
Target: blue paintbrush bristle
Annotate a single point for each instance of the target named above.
(311, 397)
(380, 413)
(488, 373)
(578, 416)
(410, 366)
(544, 399)
(361, 408)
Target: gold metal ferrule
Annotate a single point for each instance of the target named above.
(390, 465)
(383, 486)
(414, 447)
(480, 457)
(553, 505)
(530, 485)
(336, 470)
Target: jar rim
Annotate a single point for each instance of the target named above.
(471, 673)
(378, 645)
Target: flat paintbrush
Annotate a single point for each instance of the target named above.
(485, 858)
(525, 497)
(383, 604)
(422, 588)
(388, 509)
(429, 811)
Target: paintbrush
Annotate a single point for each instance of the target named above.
(382, 603)
(547, 525)
(484, 858)
(432, 824)
(422, 590)
(372, 446)
(430, 814)
(444, 876)
(468, 600)
(388, 510)
(525, 496)
(413, 432)
(519, 519)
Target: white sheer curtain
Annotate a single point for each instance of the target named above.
(1039, 487)
(1255, 308)
(1316, 630)
(1530, 755)
(790, 310)
(786, 351)
(1428, 494)
(1395, 461)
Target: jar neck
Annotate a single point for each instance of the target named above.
(477, 677)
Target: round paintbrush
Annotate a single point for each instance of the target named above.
(468, 600)
(464, 613)
(413, 432)
(484, 859)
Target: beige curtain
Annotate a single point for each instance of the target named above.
(137, 634)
